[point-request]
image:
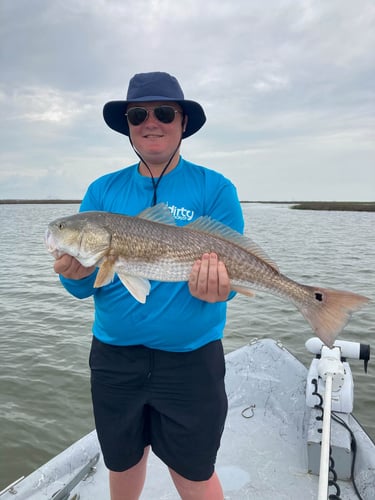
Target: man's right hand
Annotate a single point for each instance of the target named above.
(70, 268)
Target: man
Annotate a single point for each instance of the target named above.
(157, 369)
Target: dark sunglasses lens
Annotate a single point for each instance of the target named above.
(165, 114)
(136, 115)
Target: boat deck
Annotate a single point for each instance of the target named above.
(264, 446)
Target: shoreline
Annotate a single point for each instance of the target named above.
(37, 202)
(341, 206)
(338, 206)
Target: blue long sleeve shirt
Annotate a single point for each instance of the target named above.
(172, 319)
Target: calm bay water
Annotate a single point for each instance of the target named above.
(44, 377)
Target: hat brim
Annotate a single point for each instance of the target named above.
(114, 114)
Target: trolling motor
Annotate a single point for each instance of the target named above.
(330, 389)
(334, 360)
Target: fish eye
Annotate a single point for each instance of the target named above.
(60, 225)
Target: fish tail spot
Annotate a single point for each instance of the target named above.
(329, 311)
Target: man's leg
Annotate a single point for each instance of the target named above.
(198, 490)
(128, 485)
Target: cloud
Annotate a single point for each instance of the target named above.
(288, 87)
(48, 105)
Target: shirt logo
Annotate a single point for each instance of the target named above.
(181, 213)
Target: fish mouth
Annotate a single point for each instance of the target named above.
(50, 243)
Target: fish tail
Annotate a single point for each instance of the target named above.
(329, 311)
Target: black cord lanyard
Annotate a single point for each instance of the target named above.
(155, 184)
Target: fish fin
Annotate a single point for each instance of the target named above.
(211, 226)
(330, 311)
(138, 287)
(243, 290)
(106, 272)
(159, 213)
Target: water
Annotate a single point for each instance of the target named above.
(44, 378)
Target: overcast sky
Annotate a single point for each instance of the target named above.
(288, 87)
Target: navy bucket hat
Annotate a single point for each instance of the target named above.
(149, 87)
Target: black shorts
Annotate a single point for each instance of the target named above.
(175, 402)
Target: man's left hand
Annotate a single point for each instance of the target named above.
(209, 280)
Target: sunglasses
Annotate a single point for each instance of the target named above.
(165, 114)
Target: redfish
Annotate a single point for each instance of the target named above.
(151, 247)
